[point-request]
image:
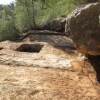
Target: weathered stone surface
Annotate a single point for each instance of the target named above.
(27, 83)
(54, 25)
(83, 26)
(26, 54)
(45, 75)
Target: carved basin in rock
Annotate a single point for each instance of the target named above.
(30, 48)
(83, 25)
(37, 54)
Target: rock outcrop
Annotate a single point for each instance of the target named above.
(83, 26)
(54, 25)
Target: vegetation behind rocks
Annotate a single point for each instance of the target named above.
(24, 15)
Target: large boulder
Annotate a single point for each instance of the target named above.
(83, 26)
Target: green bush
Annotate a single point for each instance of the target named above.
(7, 31)
(48, 10)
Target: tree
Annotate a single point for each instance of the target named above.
(25, 15)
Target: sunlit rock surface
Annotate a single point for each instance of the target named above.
(53, 73)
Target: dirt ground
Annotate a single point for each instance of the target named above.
(55, 73)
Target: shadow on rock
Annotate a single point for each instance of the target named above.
(95, 61)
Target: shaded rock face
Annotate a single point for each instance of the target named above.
(55, 25)
(83, 26)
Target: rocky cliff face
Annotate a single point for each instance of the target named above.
(83, 25)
